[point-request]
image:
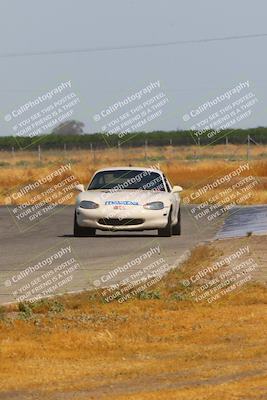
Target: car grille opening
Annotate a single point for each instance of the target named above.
(120, 222)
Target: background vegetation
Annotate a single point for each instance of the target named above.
(156, 138)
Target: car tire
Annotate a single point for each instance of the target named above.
(80, 231)
(167, 231)
(176, 229)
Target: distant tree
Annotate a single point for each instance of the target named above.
(69, 128)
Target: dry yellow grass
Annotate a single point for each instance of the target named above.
(179, 163)
(141, 349)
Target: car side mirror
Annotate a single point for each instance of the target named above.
(177, 189)
(79, 188)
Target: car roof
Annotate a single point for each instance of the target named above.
(130, 169)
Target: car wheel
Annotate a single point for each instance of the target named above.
(167, 231)
(80, 231)
(176, 229)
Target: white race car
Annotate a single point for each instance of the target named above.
(128, 199)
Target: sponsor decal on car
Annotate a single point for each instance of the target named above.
(121, 203)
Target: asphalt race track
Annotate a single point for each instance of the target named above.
(96, 258)
(96, 255)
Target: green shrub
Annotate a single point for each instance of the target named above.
(178, 296)
(151, 295)
(46, 305)
(25, 310)
(4, 164)
(57, 307)
(2, 313)
(22, 163)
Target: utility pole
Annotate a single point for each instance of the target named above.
(171, 149)
(92, 153)
(248, 147)
(197, 152)
(39, 152)
(146, 149)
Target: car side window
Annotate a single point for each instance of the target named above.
(167, 184)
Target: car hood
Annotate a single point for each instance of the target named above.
(124, 197)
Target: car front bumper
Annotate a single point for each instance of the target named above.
(138, 219)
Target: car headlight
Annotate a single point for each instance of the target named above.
(155, 205)
(88, 204)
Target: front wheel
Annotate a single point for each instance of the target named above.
(80, 231)
(176, 229)
(167, 231)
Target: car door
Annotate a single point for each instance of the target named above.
(174, 198)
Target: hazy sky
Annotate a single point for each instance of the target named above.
(189, 74)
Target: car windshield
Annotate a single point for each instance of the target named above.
(127, 179)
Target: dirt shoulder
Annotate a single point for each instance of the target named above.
(257, 250)
(168, 343)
